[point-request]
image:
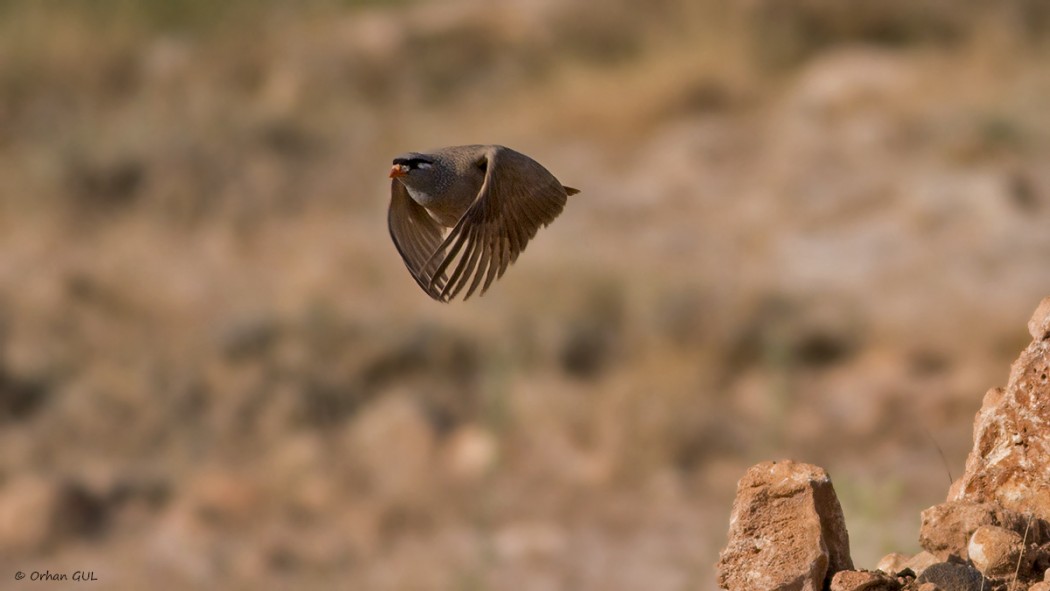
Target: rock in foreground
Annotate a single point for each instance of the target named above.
(946, 528)
(1010, 461)
(953, 577)
(850, 580)
(786, 531)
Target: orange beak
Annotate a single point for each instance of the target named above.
(398, 170)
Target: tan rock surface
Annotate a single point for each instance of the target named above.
(851, 580)
(921, 561)
(1039, 324)
(893, 563)
(1010, 460)
(996, 551)
(946, 529)
(786, 530)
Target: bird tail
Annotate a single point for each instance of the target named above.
(570, 190)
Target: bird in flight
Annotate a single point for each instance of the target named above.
(459, 216)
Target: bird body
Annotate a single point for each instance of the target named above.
(490, 200)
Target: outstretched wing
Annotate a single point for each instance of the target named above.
(517, 197)
(417, 238)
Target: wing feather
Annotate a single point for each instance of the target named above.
(417, 237)
(517, 197)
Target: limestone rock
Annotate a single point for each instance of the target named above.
(946, 528)
(921, 561)
(1039, 324)
(851, 580)
(956, 577)
(1010, 460)
(995, 551)
(786, 531)
(893, 563)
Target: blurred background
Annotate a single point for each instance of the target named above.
(809, 229)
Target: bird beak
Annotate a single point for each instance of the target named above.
(398, 170)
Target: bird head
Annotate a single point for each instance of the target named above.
(423, 174)
(411, 164)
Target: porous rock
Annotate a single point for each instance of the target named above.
(852, 580)
(1010, 460)
(997, 551)
(786, 531)
(1039, 324)
(956, 577)
(946, 529)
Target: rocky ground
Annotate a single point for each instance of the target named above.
(804, 232)
(787, 529)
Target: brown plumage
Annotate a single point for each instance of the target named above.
(491, 201)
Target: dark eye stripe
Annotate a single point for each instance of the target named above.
(412, 162)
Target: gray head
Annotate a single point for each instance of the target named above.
(425, 175)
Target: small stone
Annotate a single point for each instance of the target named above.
(1039, 325)
(786, 531)
(893, 563)
(921, 561)
(852, 580)
(1041, 586)
(995, 551)
(956, 577)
